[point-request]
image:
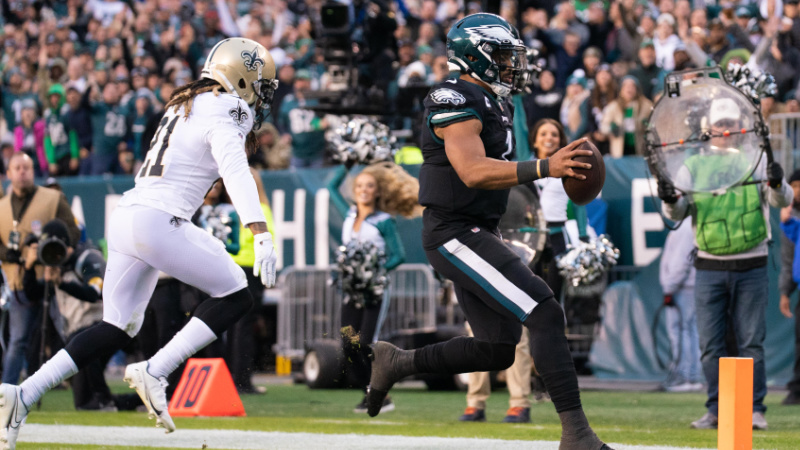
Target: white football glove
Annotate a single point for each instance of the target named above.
(265, 258)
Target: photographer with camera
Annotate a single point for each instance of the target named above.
(22, 212)
(73, 281)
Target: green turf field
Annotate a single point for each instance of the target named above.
(629, 418)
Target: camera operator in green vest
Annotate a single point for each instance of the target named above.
(731, 233)
(22, 212)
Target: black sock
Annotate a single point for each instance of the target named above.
(219, 313)
(464, 354)
(552, 356)
(100, 341)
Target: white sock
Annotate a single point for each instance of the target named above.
(192, 338)
(52, 373)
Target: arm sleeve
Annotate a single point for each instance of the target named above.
(521, 130)
(676, 211)
(86, 99)
(227, 147)
(34, 289)
(786, 283)
(583, 128)
(676, 263)
(698, 56)
(227, 24)
(742, 40)
(81, 291)
(64, 212)
(74, 146)
(49, 150)
(778, 198)
(680, 209)
(581, 218)
(790, 229)
(337, 198)
(395, 253)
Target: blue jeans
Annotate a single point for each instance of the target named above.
(682, 330)
(744, 295)
(22, 316)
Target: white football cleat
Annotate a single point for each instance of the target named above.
(12, 415)
(153, 394)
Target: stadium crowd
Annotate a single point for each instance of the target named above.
(84, 83)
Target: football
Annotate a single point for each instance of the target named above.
(582, 192)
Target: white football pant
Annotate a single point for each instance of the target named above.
(143, 241)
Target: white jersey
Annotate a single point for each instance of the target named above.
(553, 199)
(187, 155)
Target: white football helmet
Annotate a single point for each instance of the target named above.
(244, 67)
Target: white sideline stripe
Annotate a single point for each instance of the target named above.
(492, 275)
(238, 439)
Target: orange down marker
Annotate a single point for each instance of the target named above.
(206, 389)
(735, 421)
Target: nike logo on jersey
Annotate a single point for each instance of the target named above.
(449, 80)
(252, 60)
(238, 114)
(445, 95)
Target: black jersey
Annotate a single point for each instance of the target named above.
(452, 207)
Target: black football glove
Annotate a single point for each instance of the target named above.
(774, 175)
(666, 192)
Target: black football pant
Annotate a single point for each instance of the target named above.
(364, 323)
(497, 292)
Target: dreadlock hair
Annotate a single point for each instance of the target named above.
(184, 96)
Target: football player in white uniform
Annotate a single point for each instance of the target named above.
(202, 137)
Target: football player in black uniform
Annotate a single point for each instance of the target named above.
(464, 185)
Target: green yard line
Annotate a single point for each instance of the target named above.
(636, 418)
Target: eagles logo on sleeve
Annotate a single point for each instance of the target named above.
(445, 95)
(252, 60)
(238, 114)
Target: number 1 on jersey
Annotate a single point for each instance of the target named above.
(157, 169)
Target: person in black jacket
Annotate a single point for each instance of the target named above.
(74, 289)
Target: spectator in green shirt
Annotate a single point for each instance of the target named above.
(109, 128)
(306, 130)
(60, 141)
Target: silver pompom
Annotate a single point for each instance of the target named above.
(216, 221)
(360, 139)
(586, 262)
(752, 82)
(362, 273)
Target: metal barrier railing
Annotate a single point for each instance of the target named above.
(784, 135)
(310, 306)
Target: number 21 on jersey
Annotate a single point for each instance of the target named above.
(153, 166)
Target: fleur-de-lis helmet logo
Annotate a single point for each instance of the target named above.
(251, 59)
(238, 114)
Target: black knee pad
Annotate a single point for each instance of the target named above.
(100, 340)
(219, 313)
(497, 356)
